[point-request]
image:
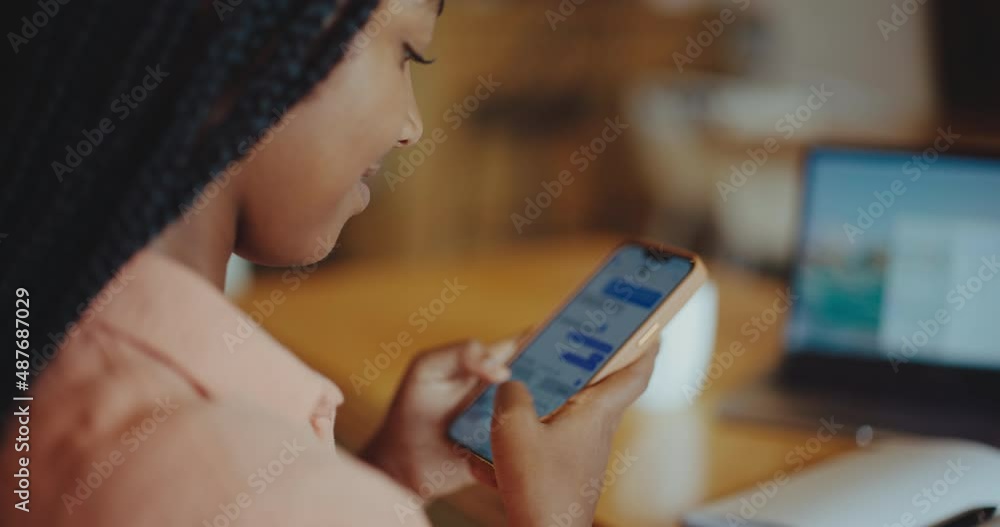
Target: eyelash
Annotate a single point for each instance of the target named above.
(410, 54)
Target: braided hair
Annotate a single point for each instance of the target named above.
(121, 112)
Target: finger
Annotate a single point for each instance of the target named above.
(504, 350)
(446, 361)
(492, 366)
(490, 363)
(514, 406)
(483, 472)
(515, 426)
(617, 391)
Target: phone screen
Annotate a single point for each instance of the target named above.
(563, 357)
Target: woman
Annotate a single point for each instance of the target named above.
(148, 142)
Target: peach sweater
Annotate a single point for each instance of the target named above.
(157, 411)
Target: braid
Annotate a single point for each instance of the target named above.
(169, 162)
(42, 123)
(83, 229)
(333, 47)
(251, 109)
(287, 80)
(79, 186)
(81, 190)
(31, 86)
(234, 49)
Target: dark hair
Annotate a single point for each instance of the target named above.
(91, 174)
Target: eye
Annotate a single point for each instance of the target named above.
(410, 54)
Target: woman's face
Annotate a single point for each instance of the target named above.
(307, 176)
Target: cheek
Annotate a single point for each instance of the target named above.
(329, 142)
(301, 176)
(352, 119)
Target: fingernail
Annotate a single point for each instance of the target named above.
(500, 373)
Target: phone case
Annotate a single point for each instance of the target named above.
(636, 344)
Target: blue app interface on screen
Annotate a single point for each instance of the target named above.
(582, 337)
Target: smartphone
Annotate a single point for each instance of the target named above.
(602, 327)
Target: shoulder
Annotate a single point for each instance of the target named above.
(219, 462)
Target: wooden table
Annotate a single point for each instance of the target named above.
(341, 315)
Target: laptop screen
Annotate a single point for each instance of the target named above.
(899, 258)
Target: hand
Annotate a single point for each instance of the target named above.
(551, 473)
(412, 445)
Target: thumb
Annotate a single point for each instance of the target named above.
(516, 424)
(514, 404)
(483, 472)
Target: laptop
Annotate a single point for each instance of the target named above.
(897, 321)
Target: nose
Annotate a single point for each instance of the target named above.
(413, 126)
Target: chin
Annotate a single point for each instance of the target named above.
(299, 244)
(362, 196)
(319, 247)
(298, 252)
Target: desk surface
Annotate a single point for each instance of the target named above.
(342, 315)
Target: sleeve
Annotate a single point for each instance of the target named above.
(225, 464)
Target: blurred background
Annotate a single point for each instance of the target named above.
(554, 126)
(523, 91)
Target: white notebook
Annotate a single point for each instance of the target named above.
(898, 482)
